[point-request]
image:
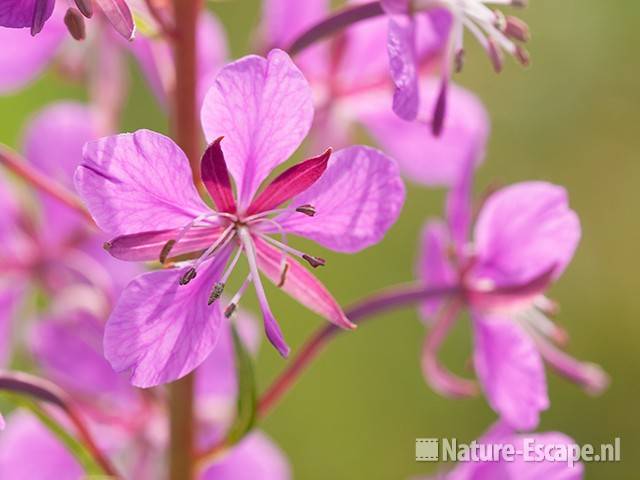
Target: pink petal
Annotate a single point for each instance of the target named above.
(254, 458)
(160, 330)
(28, 451)
(68, 125)
(284, 20)
(519, 468)
(510, 370)
(69, 350)
(524, 230)
(147, 246)
(26, 13)
(119, 15)
(423, 157)
(138, 182)
(403, 65)
(215, 177)
(300, 284)
(357, 200)
(263, 108)
(434, 267)
(290, 183)
(19, 66)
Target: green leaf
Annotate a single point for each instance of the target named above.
(74, 447)
(247, 393)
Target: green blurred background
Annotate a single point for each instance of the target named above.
(572, 118)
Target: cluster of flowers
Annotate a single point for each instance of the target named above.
(388, 72)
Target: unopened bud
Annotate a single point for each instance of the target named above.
(216, 293)
(188, 276)
(314, 261)
(308, 210)
(75, 24)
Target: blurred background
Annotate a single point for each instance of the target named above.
(572, 119)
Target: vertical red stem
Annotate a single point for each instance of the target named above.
(186, 130)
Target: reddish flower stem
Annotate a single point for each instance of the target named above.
(12, 161)
(380, 302)
(185, 127)
(334, 23)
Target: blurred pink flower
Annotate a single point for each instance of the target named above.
(349, 75)
(520, 468)
(34, 14)
(524, 237)
(100, 61)
(493, 30)
(139, 187)
(129, 423)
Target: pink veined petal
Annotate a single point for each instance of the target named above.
(216, 377)
(69, 350)
(290, 183)
(215, 177)
(18, 66)
(263, 108)
(137, 182)
(522, 231)
(434, 267)
(357, 199)
(29, 450)
(160, 330)
(147, 246)
(284, 20)
(403, 65)
(254, 458)
(423, 157)
(119, 15)
(510, 370)
(300, 284)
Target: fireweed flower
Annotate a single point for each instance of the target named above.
(524, 237)
(501, 434)
(129, 423)
(352, 89)
(138, 187)
(495, 32)
(34, 13)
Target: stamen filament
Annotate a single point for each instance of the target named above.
(313, 261)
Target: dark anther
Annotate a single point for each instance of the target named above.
(218, 288)
(314, 261)
(164, 253)
(188, 276)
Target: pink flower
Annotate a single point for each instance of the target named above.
(34, 14)
(352, 89)
(493, 30)
(138, 187)
(128, 423)
(520, 467)
(26, 13)
(100, 61)
(524, 237)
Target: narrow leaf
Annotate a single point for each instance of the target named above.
(247, 397)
